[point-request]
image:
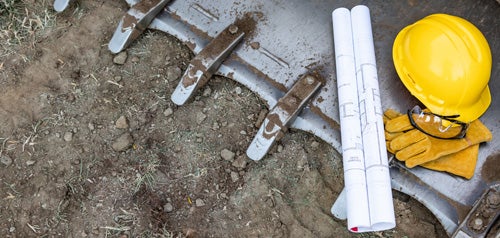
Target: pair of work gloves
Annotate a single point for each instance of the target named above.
(415, 148)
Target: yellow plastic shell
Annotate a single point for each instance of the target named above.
(445, 62)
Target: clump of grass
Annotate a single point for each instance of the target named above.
(148, 176)
(22, 22)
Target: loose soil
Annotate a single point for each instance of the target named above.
(90, 148)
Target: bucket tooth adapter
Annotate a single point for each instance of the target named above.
(286, 39)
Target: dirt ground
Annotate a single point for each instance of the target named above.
(92, 148)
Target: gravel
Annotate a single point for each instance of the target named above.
(227, 155)
(123, 142)
(120, 58)
(5, 160)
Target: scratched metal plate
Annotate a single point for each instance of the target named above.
(295, 36)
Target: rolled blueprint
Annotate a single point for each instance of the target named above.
(369, 208)
(350, 127)
(372, 125)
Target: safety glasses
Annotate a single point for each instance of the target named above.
(441, 127)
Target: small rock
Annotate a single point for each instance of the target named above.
(227, 155)
(238, 90)
(135, 59)
(234, 176)
(199, 135)
(280, 148)
(240, 162)
(70, 97)
(215, 126)
(5, 160)
(123, 142)
(200, 203)
(167, 60)
(302, 164)
(30, 162)
(200, 117)
(168, 207)
(161, 178)
(169, 111)
(121, 123)
(269, 202)
(120, 58)
(243, 132)
(314, 144)
(75, 161)
(173, 73)
(91, 126)
(68, 136)
(207, 91)
(118, 78)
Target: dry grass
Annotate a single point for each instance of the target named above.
(23, 22)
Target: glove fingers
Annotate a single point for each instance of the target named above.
(477, 133)
(415, 150)
(399, 124)
(462, 163)
(390, 114)
(388, 146)
(390, 136)
(407, 139)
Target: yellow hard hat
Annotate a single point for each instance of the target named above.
(445, 62)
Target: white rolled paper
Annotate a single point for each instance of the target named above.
(366, 173)
(350, 127)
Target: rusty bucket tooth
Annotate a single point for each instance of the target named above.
(135, 21)
(206, 63)
(282, 115)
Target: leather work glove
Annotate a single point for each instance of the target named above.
(462, 163)
(390, 114)
(459, 160)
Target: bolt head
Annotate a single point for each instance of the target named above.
(310, 80)
(477, 224)
(233, 29)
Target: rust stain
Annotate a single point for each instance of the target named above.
(257, 72)
(330, 121)
(129, 21)
(273, 120)
(490, 172)
(194, 67)
(255, 45)
(146, 5)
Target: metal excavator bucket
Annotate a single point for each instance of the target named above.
(283, 51)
